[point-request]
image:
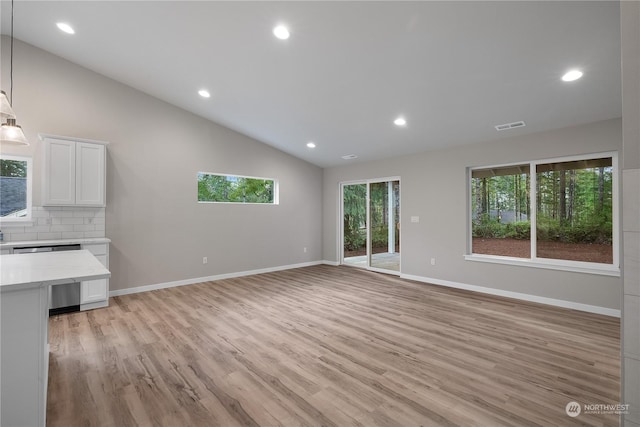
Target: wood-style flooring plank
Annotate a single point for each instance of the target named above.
(328, 346)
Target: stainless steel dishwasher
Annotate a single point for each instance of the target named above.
(63, 298)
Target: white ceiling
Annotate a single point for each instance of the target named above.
(453, 69)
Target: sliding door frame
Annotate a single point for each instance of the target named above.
(340, 245)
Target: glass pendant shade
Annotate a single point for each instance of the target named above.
(5, 106)
(12, 133)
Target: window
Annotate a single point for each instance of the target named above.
(575, 210)
(15, 188)
(561, 215)
(219, 188)
(501, 210)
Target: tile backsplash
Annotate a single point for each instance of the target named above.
(50, 223)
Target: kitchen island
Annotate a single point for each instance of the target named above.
(24, 314)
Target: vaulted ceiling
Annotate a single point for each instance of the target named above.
(453, 70)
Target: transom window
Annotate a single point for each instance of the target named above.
(221, 188)
(564, 214)
(15, 188)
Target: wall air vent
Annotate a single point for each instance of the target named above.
(508, 126)
(350, 157)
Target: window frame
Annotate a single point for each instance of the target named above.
(549, 263)
(276, 189)
(29, 209)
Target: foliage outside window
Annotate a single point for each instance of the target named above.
(567, 206)
(380, 215)
(355, 216)
(15, 188)
(501, 210)
(575, 207)
(219, 188)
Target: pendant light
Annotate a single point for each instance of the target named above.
(10, 132)
(5, 107)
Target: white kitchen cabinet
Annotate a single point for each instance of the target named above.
(24, 315)
(25, 356)
(59, 179)
(90, 174)
(74, 172)
(95, 293)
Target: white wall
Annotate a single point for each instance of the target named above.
(433, 187)
(159, 232)
(630, 37)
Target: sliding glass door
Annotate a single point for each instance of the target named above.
(384, 213)
(371, 224)
(354, 228)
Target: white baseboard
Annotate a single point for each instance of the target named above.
(165, 285)
(333, 263)
(517, 295)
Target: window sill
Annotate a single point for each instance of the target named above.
(573, 266)
(237, 203)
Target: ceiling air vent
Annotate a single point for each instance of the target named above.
(350, 157)
(508, 126)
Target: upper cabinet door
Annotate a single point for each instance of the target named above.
(90, 174)
(74, 172)
(59, 181)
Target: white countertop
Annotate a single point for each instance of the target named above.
(87, 241)
(49, 268)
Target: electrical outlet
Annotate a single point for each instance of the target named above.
(433, 261)
(304, 250)
(204, 260)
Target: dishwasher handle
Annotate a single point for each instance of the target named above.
(32, 250)
(53, 248)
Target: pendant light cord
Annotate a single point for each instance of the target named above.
(11, 61)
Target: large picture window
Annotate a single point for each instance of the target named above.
(574, 218)
(15, 188)
(501, 210)
(218, 188)
(550, 212)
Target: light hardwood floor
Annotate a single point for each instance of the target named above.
(328, 346)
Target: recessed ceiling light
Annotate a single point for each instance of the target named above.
(400, 121)
(66, 28)
(311, 144)
(571, 75)
(204, 93)
(281, 32)
(350, 157)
